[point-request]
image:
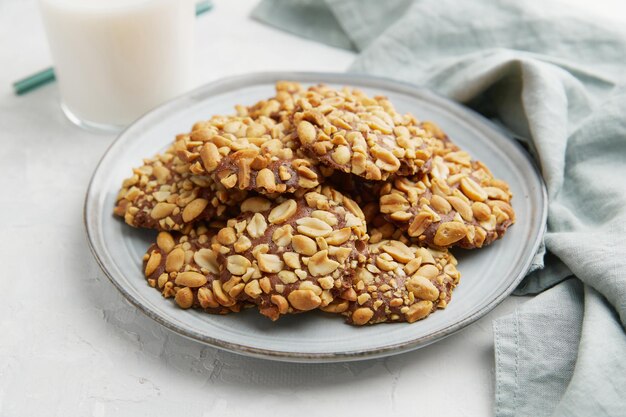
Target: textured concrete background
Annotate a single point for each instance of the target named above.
(70, 345)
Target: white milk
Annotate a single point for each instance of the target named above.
(117, 59)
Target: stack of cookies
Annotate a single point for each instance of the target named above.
(313, 199)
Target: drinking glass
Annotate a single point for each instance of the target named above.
(116, 59)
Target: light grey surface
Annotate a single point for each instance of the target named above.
(488, 275)
(72, 346)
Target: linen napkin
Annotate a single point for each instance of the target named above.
(556, 79)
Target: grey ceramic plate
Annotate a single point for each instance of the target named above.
(488, 275)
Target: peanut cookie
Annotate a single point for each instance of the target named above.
(243, 153)
(295, 253)
(354, 133)
(400, 283)
(164, 194)
(186, 267)
(458, 203)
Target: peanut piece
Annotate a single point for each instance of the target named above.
(206, 298)
(221, 297)
(339, 237)
(282, 212)
(257, 225)
(265, 179)
(418, 311)
(320, 264)
(306, 132)
(255, 204)
(362, 315)
(280, 302)
(175, 260)
(422, 288)
(207, 259)
(252, 289)
(313, 227)
(153, 262)
(449, 233)
(184, 298)
(270, 263)
(304, 245)
(472, 190)
(304, 300)
(420, 223)
(194, 209)
(165, 242)
(341, 155)
(237, 264)
(190, 279)
(162, 210)
(399, 251)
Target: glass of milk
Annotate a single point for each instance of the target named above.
(116, 59)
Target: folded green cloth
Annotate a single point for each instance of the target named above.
(556, 79)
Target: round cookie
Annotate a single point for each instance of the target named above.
(243, 153)
(164, 194)
(186, 267)
(293, 254)
(400, 283)
(354, 133)
(458, 203)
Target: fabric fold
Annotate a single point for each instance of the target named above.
(309, 19)
(536, 349)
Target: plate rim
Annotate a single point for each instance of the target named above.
(90, 220)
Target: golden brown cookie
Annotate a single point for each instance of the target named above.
(354, 133)
(400, 283)
(186, 267)
(293, 254)
(242, 153)
(164, 194)
(458, 203)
